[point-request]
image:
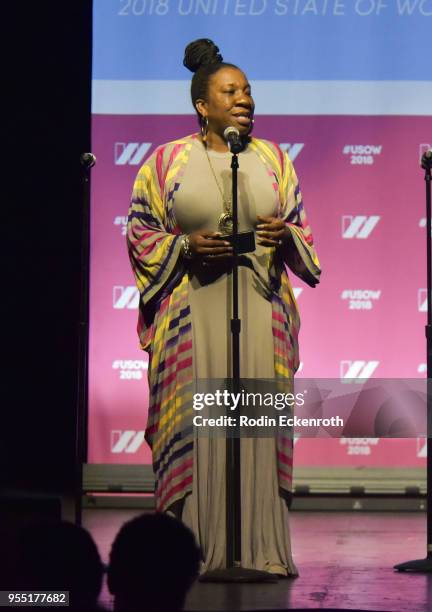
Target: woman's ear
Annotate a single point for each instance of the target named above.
(201, 107)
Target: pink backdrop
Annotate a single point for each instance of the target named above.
(364, 195)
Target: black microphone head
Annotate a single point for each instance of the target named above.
(88, 160)
(426, 160)
(232, 137)
(231, 132)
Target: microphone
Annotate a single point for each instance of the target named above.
(87, 160)
(232, 136)
(426, 160)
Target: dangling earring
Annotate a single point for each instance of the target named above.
(204, 128)
(252, 125)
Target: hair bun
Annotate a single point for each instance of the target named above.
(201, 52)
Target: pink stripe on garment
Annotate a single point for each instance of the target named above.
(180, 366)
(284, 475)
(159, 160)
(284, 458)
(150, 431)
(185, 346)
(279, 334)
(279, 352)
(176, 472)
(144, 235)
(146, 250)
(174, 152)
(170, 361)
(278, 316)
(164, 304)
(180, 487)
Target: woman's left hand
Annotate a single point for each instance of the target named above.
(271, 231)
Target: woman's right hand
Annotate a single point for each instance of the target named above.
(208, 247)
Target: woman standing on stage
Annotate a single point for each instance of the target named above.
(180, 205)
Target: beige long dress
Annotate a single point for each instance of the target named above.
(264, 514)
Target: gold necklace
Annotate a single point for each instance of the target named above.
(225, 222)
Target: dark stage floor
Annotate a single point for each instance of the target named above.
(345, 561)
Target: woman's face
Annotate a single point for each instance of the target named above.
(229, 102)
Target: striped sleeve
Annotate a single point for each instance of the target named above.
(153, 250)
(302, 259)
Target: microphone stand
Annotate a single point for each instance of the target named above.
(234, 572)
(425, 565)
(87, 160)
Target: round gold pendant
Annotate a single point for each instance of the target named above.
(226, 223)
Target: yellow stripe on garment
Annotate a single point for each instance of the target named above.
(153, 263)
(163, 246)
(177, 401)
(159, 337)
(169, 415)
(288, 173)
(315, 259)
(155, 198)
(139, 281)
(267, 150)
(310, 249)
(165, 433)
(281, 370)
(269, 157)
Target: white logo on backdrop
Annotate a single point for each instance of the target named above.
(292, 149)
(421, 448)
(130, 369)
(362, 154)
(128, 441)
(357, 369)
(131, 153)
(422, 369)
(358, 446)
(422, 300)
(359, 226)
(122, 222)
(297, 291)
(125, 297)
(360, 299)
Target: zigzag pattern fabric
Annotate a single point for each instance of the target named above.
(164, 322)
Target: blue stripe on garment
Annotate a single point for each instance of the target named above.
(157, 277)
(176, 455)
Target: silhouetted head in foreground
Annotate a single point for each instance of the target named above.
(154, 560)
(60, 556)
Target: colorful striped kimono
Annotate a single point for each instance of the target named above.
(164, 324)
